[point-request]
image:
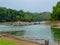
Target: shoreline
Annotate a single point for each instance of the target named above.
(19, 41)
(19, 23)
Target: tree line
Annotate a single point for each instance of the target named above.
(9, 15)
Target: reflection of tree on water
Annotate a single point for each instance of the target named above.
(16, 33)
(56, 34)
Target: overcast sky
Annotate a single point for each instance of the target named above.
(29, 5)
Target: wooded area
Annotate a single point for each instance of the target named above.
(9, 15)
(56, 12)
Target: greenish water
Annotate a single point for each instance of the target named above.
(56, 33)
(41, 31)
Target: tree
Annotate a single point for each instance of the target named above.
(56, 12)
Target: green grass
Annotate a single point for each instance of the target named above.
(6, 42)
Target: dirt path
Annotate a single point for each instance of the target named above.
(18, 42)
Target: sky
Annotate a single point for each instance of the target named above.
(29, 5)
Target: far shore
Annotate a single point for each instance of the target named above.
(18, 42)
(20, 23)
(54, 24)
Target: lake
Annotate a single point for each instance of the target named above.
(37, 31)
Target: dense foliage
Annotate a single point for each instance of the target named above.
(56, 12)
(14, 15)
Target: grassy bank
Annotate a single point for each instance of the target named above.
(6, 42)
(54, 24)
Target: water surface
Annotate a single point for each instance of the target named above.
(38, 31)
